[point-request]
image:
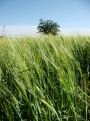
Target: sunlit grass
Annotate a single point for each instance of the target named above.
(45, 78)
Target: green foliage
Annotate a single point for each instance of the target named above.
(45, 79)
(48, 27)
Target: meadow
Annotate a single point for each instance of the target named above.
(45, 78)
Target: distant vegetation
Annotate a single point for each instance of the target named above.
(45, 79)
(48, 27)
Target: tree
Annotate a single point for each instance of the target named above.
(48, 27)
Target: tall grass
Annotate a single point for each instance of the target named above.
(45, 79)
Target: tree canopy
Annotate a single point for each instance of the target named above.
(48, 27)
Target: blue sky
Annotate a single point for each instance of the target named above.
(68, 14)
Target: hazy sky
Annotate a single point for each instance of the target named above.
(68, 14)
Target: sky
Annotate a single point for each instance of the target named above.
(22, 16)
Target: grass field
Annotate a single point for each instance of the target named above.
(45, 78)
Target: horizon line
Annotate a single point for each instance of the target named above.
(24, 29)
